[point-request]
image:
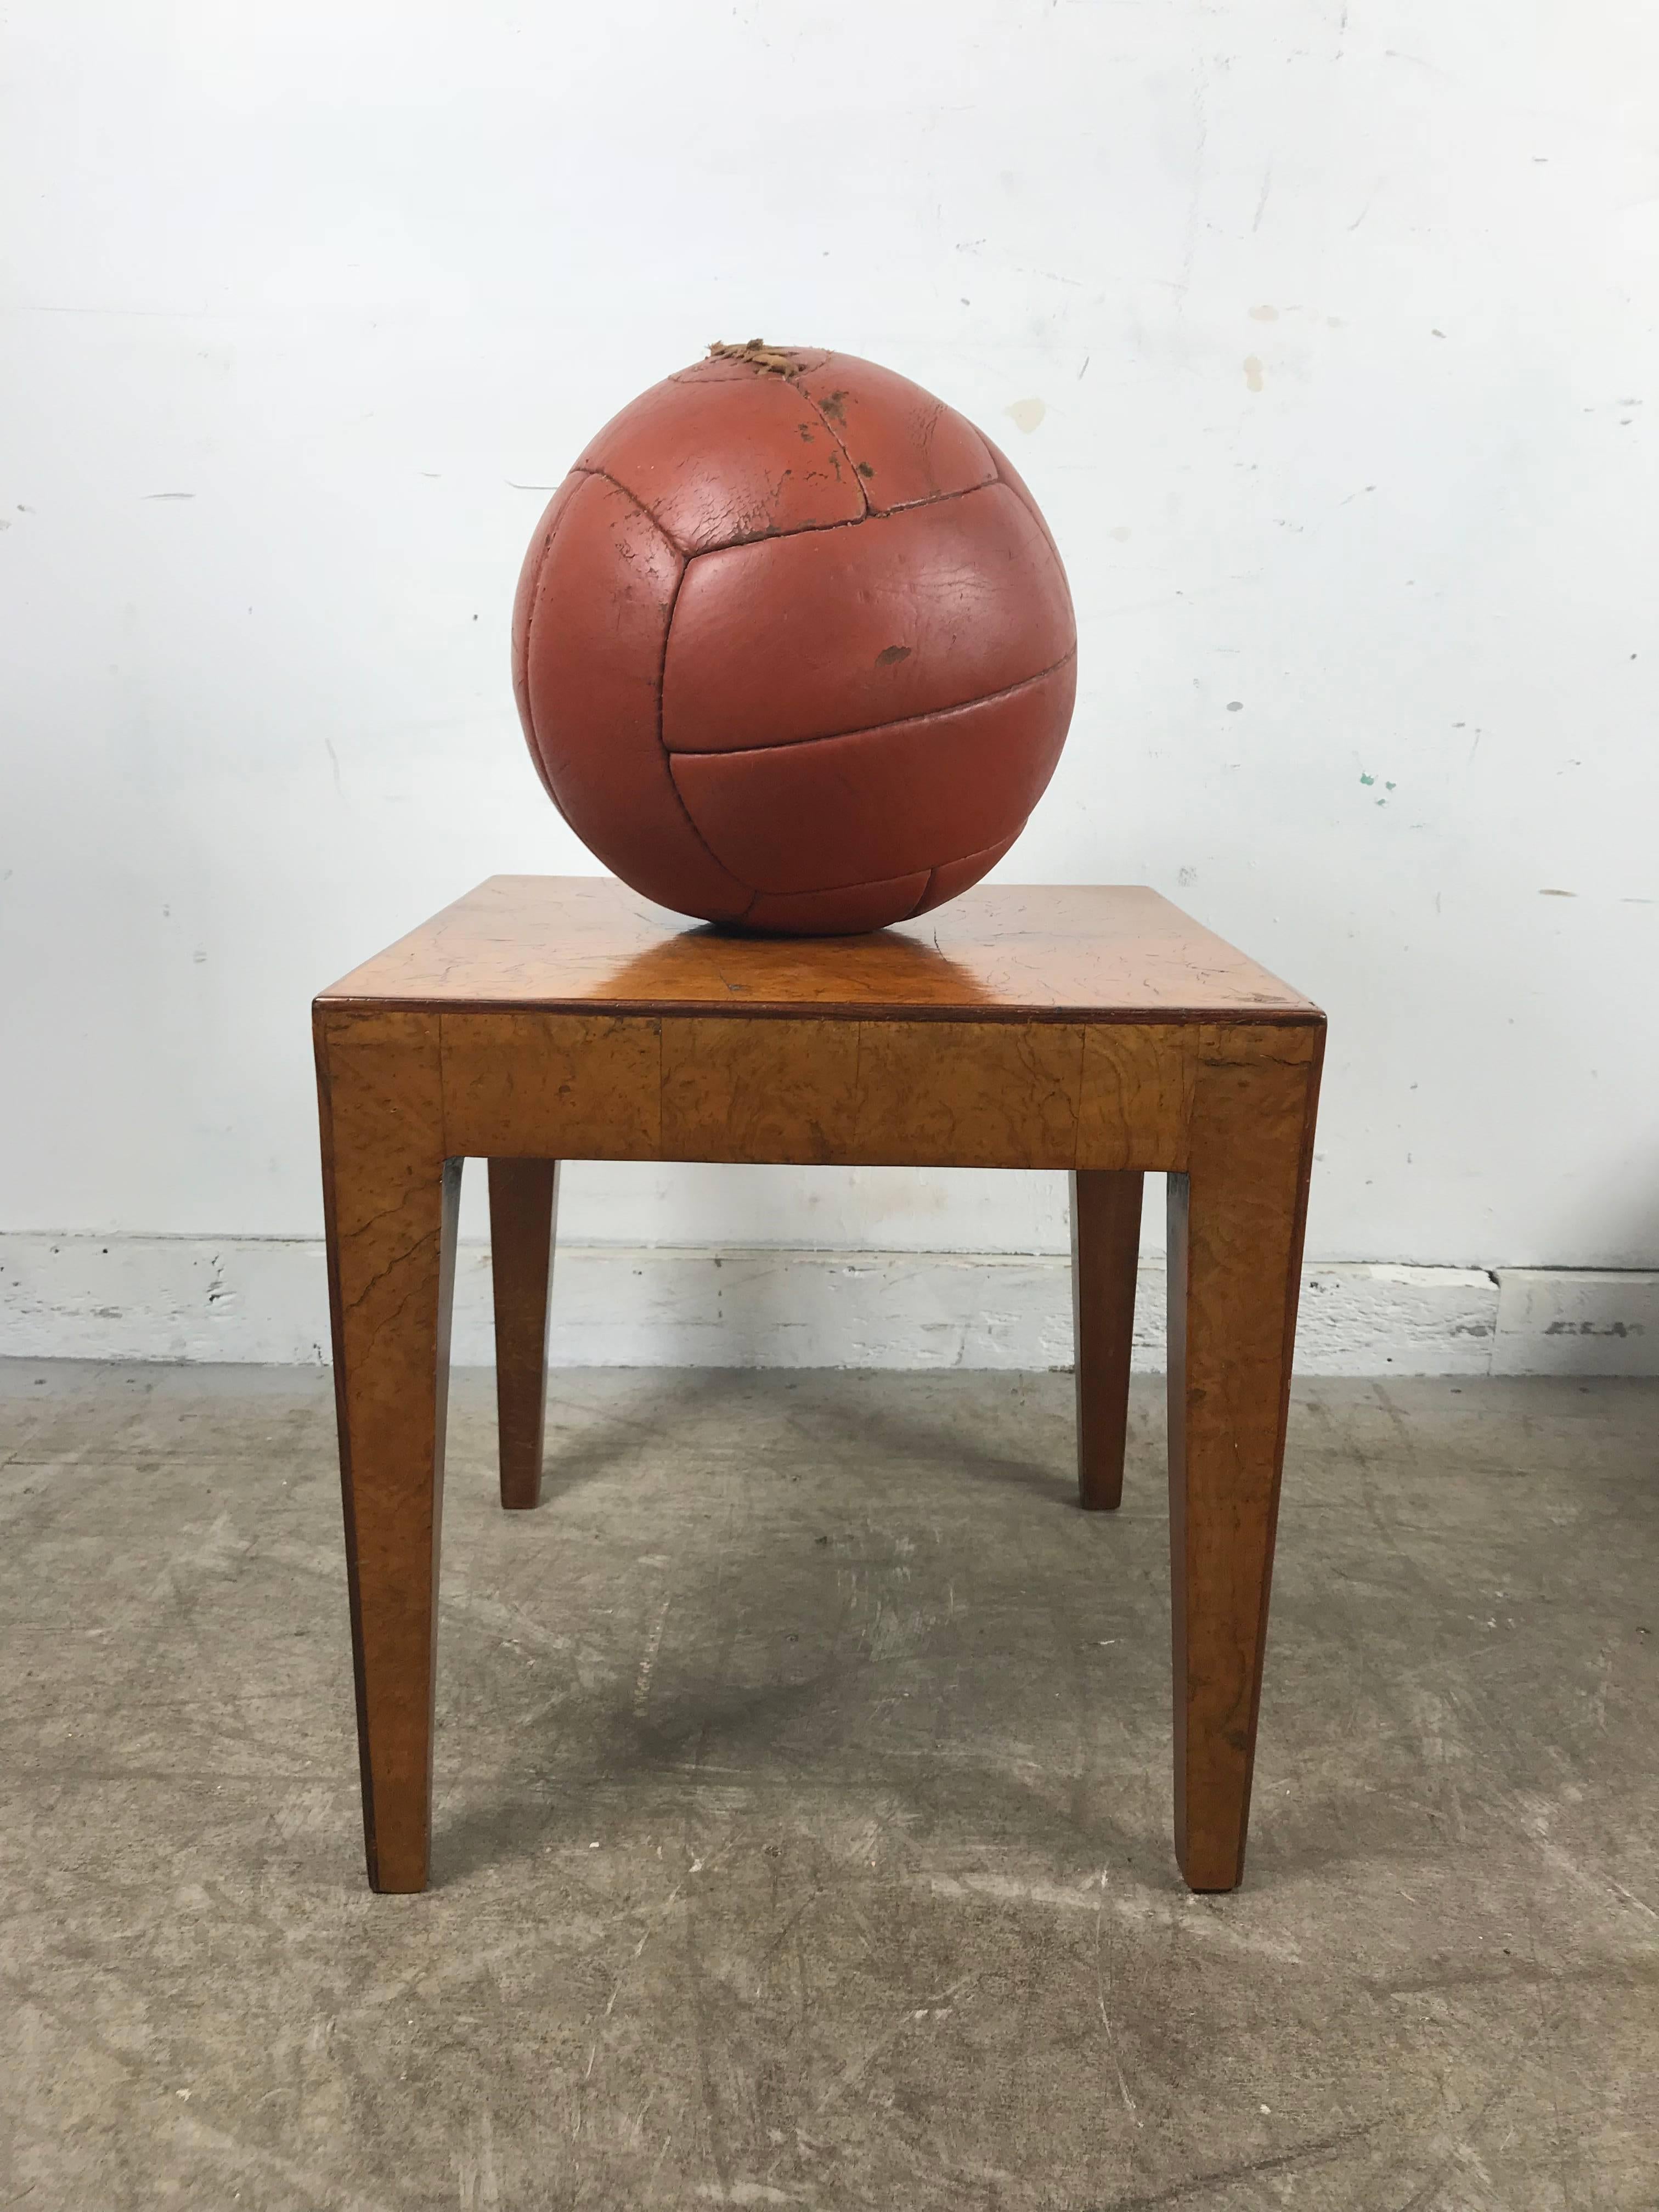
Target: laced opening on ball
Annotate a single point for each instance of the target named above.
(755, 353)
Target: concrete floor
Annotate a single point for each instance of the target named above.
(803, 1807)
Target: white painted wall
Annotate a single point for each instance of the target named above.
(1326, 333)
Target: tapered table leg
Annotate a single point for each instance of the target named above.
(1236, 1223)
(391, 1201)
(1105, 1257)
(524, 1210)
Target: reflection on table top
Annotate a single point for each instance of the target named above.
(1000, 953)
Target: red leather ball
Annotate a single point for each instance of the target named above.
(792, 645)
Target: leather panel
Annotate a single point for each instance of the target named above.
(905, 445)
(596, 618)
(957, 876)
(522, 600)
(717, 458)
(834, 630)
(875, 804)
(847, 913)
(1008, 474)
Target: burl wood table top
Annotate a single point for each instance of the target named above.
(1000, 953)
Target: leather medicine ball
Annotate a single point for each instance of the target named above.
(792, 647)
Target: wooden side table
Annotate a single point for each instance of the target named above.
(1097, 1030)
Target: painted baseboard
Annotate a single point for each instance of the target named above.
(266, 1299)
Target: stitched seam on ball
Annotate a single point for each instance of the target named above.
(801, 393)
(1001, 846)
(938, 498)
(834, 890)
(866, 729)
(1029, 502)
(846, 522)
(581, 469)
(1023, 494)
(799, 529)
(668, 758)
(828, 890)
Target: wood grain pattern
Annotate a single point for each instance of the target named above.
(1000, 953)
(524, 1214)
(1235, 1229)
(993, 1094)
(552, 1086)
(1136, 1095)
(1105, 1259)
(1095, 1030)
(782, 1091)
(825, 1089)
(390, 1201)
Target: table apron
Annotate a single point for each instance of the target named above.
(828, 1091)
